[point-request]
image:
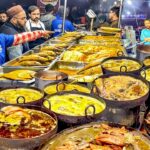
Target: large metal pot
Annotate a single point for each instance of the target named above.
(90, 131)
(51, 76)
(76, 120)
(122, 68)
(125, 112)
(145, 61)
(146, 76)
(130, 103)
(143, 51)
(22, 99)
(29, 143)
(63, 85)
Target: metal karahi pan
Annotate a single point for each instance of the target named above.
(88, 132)
(22, 100)
(122, 68)
(128, 103)
(144, 72)
(29, 143)
(76, 120)
(145, 77)
(146, 58)
(63, 84)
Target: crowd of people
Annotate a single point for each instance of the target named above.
(15, 22)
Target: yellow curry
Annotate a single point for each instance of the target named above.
(51, 89)
(11, 95)
(74, 104)
(115, 65)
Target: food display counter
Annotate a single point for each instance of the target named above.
(75, 79)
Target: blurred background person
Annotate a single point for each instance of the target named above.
(48, 17)
(112, 20)
(15, 25)
(3, 17)
(75, 16)
(57, 23)
(113, 17)
(145, 33)
(34, 24)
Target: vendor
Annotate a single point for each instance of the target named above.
(113, 18)
(34, 24)
(145, 33)
(57, 23)
(11, 40)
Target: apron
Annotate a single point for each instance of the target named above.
(37, 41)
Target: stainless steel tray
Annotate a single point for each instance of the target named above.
(88, 52)
(7, 67)
(67, 65)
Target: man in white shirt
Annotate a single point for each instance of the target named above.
(34, 24)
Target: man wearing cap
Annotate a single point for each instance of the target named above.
(15, 25)
(9, 40)
(34, 24)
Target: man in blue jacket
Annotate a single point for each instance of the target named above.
(5, 41)
(57, 23)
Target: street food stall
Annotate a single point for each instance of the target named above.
(82, 82)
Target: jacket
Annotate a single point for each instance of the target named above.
(57, 26)
(47, 20)
(15, 51)
(5, 41)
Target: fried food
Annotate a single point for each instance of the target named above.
(111, 29)
(112, 138)
(73, 56)
(30, 63)
(33, 57)
(20, 75)
(101, 55)
(88, 48)
(46, 53)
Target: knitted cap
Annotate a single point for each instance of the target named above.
(13, 11)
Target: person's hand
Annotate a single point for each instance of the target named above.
(46, 33)
(147, 39)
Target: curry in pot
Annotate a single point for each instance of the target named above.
(121, 88)
(19, 123)
(116, 64)
(74, 104)
(11, 95)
